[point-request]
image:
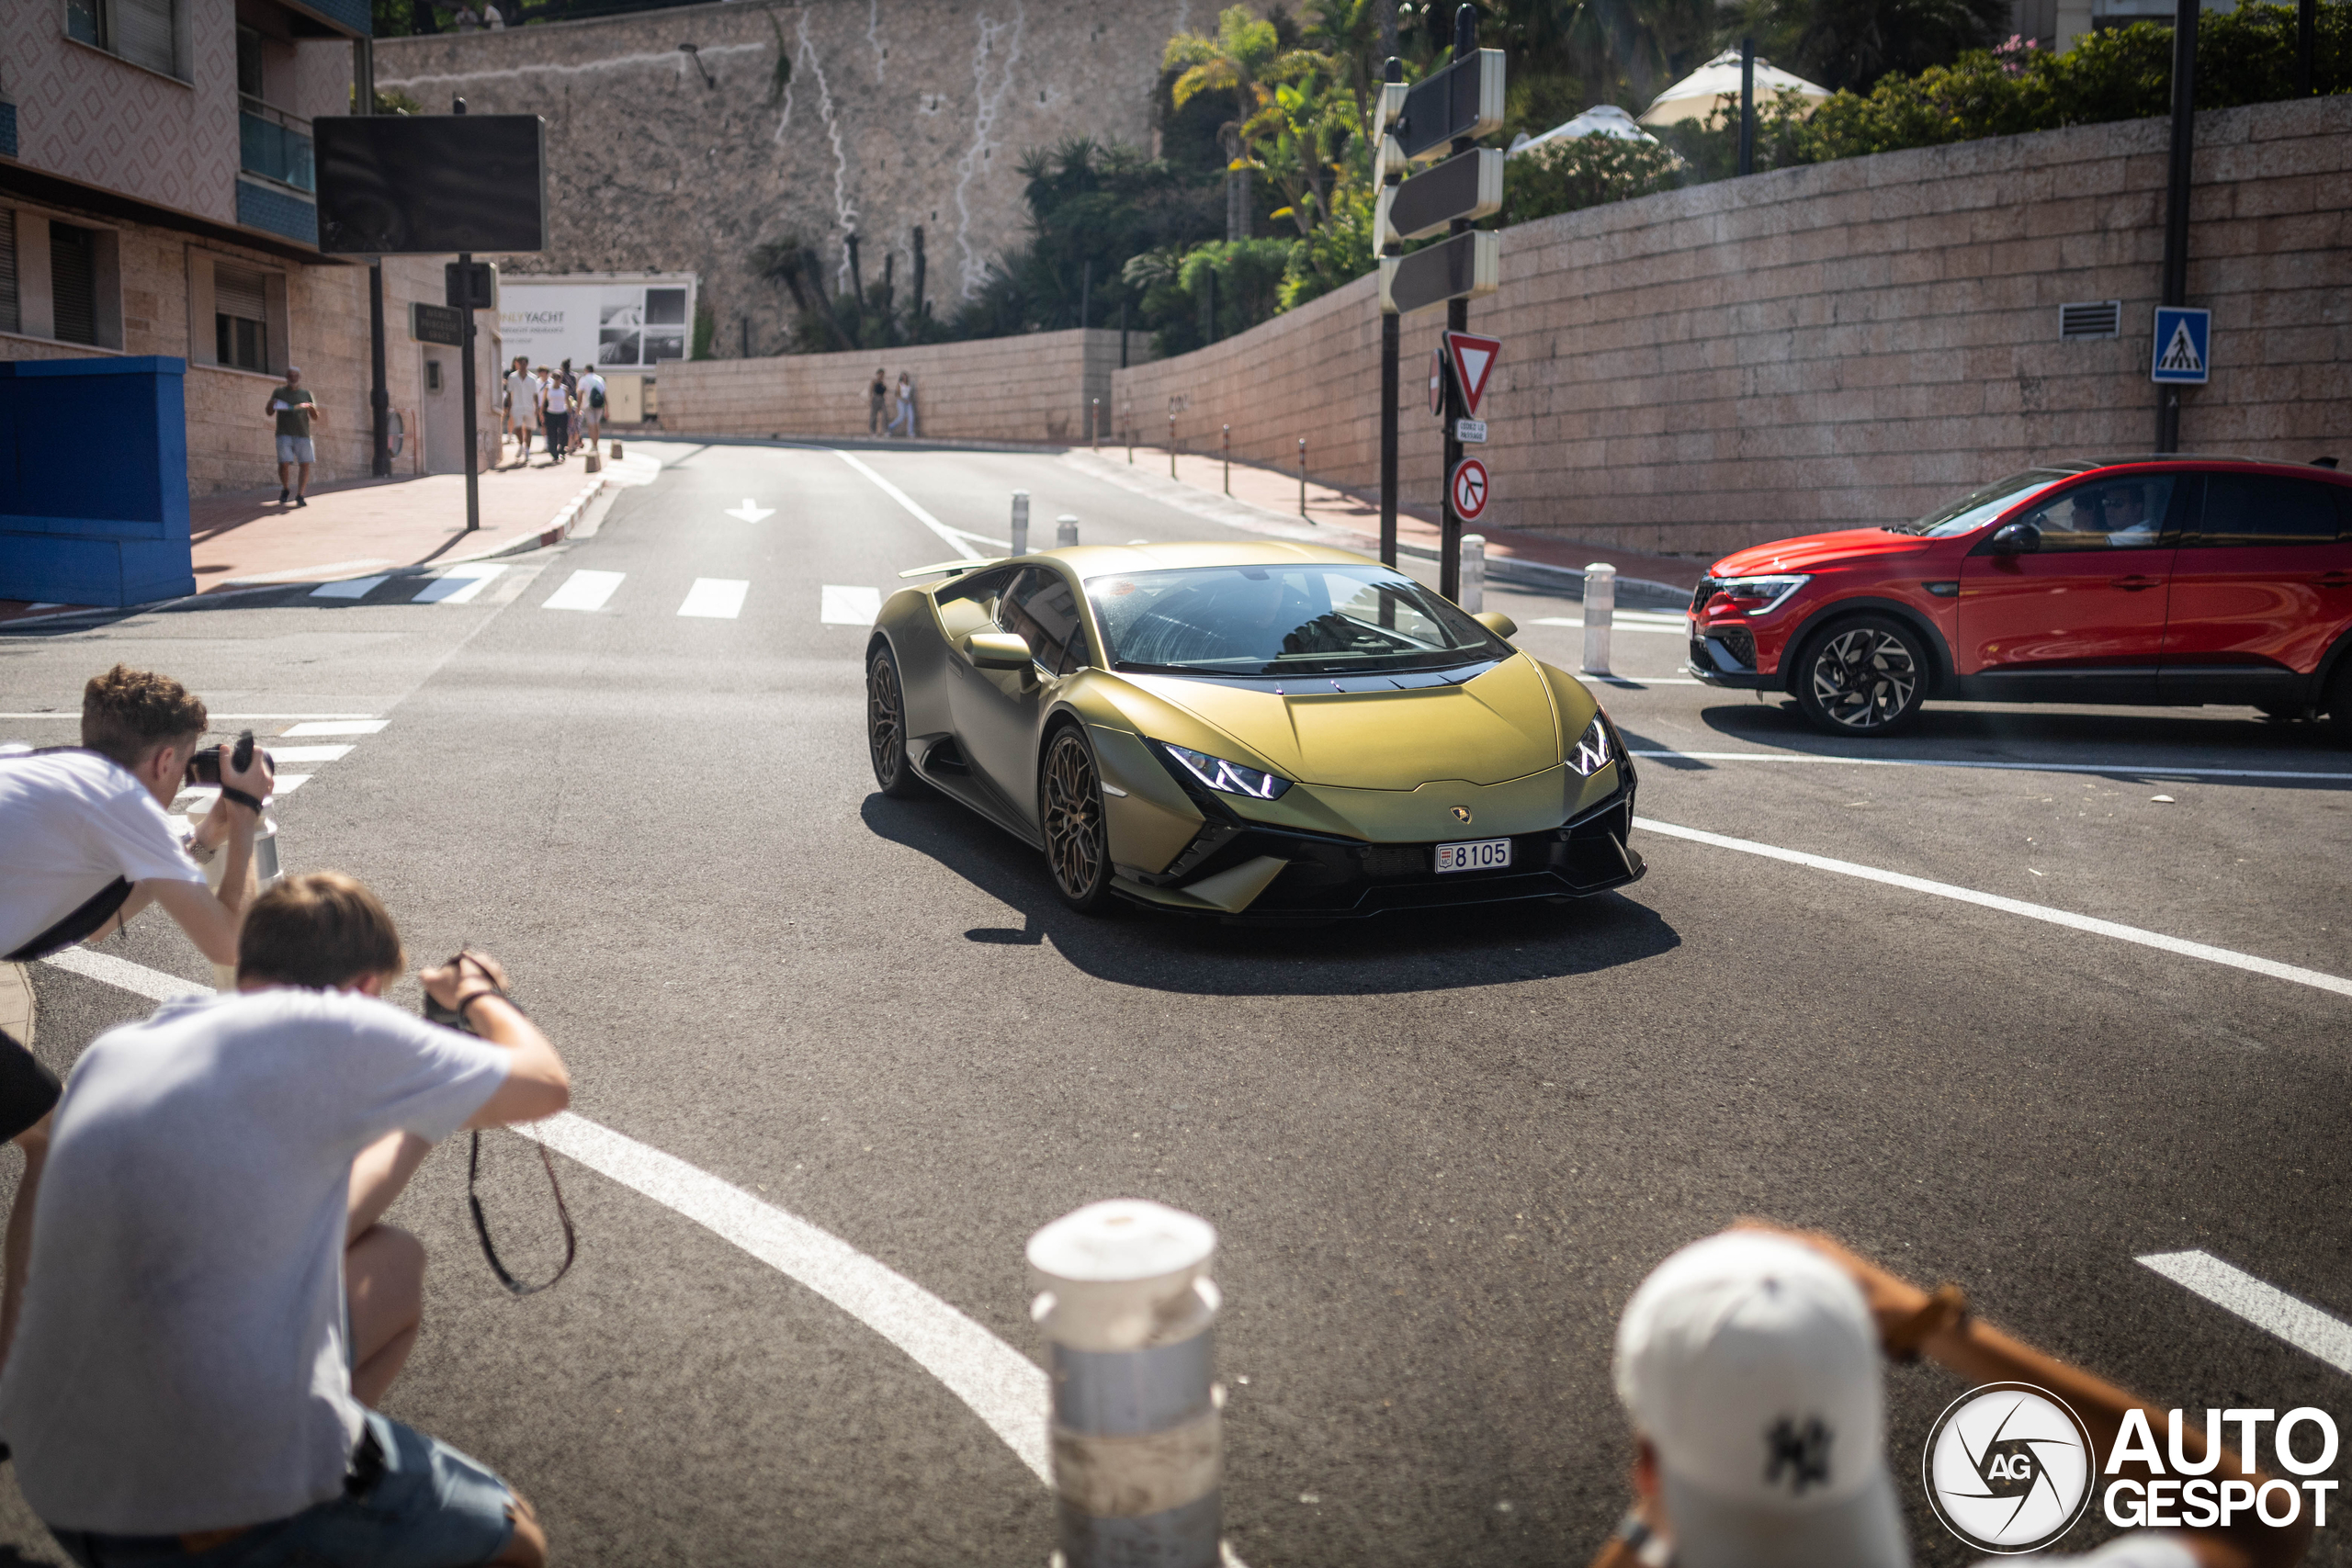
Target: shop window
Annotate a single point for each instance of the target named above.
(73, 282)
(241, 317)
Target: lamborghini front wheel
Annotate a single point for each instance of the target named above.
(1070, 809)
(886, 728)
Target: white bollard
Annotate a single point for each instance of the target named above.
(1065, 531)
(1600, 609)
(1020, 522)
(1473, 573)
(1129, 1315)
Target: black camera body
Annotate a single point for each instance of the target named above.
(204, 768)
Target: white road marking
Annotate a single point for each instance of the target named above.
(458, 584)
(309, 571)
(719, 598)
(351, 588)
(1004, 1388)
(1642, 680)
(2266, 1307)
(2135, 769)
(337, 726)
(584, 590)
(309, 753)
(849, 606)
(1621, 623)
(957, 537)
(285, 785)
(751, 511)
(2210, 954)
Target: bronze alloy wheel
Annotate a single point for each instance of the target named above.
(1864, 678)
(1070, 809)
(886, 728)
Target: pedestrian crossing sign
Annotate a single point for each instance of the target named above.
(2183, 344)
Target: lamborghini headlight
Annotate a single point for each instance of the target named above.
(1595, 749)
(1231, 778)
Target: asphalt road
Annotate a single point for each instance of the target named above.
(1440, 1152)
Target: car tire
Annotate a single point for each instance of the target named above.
(1866, 676)
(1070, 816)
(2339, 703)
(886, 728)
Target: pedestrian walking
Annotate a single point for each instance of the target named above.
(1749, 1364)
(563, 373)
(906, 417)
(292, 406)
(521, 408)
(591, 408)
(877, 396)
(555, 405)
(84, 846)
(214, 1306)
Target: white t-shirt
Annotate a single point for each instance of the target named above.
(559, 397)
(70, 823)
(589, 385)
(522, 397)
(2139, 1549)
(181, 1362)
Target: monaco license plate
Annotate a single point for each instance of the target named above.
(1474, 854)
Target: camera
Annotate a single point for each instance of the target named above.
(204, 768)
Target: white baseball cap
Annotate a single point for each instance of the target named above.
(1750, 1362)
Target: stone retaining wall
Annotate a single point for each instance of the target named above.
(1838, 345)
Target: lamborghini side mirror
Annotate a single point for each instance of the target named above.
(996, 651)
(1494, 621)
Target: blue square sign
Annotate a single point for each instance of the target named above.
(2183, 344)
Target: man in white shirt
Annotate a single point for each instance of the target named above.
(213, 1305)
(591, 409)
(85, 845)
(1749, 1364)
(522, 409)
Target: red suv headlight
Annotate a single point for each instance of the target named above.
(1759, 595)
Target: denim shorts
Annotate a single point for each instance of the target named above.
(295, 449)
(431, 1508)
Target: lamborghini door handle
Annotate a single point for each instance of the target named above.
(2135, 582)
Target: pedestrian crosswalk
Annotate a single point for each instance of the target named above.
(459, 585)
(584, 591)
(715, 598)
(589, 591)
(841, 607)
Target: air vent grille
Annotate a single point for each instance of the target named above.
(2098, 319)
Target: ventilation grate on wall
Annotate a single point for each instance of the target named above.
(2098, 319)
(9, 320)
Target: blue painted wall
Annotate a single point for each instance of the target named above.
(93, 480)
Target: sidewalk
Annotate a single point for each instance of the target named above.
(1268, 497)
(247, 540)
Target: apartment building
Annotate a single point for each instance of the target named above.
(157, 196)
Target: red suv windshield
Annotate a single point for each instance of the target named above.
(1981, 506)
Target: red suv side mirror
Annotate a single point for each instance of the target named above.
(2014, 539)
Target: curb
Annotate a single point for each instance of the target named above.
(557, 529)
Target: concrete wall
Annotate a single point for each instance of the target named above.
(1839, 345)
(899, 113)
(1034, 388)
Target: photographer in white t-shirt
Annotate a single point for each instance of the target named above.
(85, 845)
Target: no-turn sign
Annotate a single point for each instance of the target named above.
(1467, 487)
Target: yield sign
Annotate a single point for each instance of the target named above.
(751, 511)
(1467, 488)
(1474, 361)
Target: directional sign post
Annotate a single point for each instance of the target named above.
(1437, 383)
(2184, 345)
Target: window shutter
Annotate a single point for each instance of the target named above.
(145, 34)
(237, 292)
(9, 320)
(73, 282)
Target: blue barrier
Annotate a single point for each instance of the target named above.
(93, 480)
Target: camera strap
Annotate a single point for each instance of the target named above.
(482, 1225)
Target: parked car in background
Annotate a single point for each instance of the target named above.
(2166, 580)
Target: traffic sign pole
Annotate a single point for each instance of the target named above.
(1457, 319)
(1392, 78)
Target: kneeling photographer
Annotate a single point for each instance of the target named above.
(213, 1303)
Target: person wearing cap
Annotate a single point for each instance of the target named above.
(1748, 1362)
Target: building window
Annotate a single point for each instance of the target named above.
(666, 324)
(73, 282)
(144, 32)
(241, 317)
(11, 318)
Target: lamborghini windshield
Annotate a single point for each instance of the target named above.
(1284, 620)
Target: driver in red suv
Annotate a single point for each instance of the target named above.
(2171, 581)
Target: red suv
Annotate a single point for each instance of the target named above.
(2169, 581)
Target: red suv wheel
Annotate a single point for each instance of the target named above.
(1863, 676)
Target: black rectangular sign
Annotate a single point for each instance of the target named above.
(1464, 100)
(431, 184)
(1461, 268)
(1470, 185)
(436, 324)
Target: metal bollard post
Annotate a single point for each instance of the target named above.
(1302, 476)
(1129, 1315)
(1020, 522)
(1094, 426)
(1600, 609)
(1228, 460)
(1065, 531)
(616, 451)
(1473, 573)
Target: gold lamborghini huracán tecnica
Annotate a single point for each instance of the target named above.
(1257, 730)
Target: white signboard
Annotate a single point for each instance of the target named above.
(621, 322)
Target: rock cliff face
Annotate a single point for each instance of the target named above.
(893, 114)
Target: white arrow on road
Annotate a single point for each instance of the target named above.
(751, 511)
